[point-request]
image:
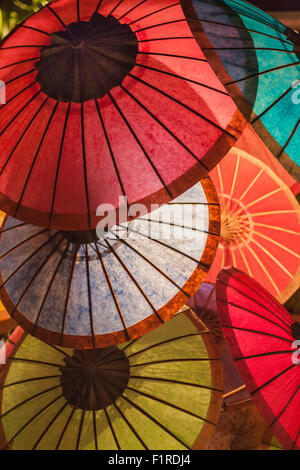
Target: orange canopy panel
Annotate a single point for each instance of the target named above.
(251, 143)
(260, 221)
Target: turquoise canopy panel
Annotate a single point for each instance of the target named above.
(258, 60)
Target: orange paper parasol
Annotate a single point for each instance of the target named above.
(260, 224)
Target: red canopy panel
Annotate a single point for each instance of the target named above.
(261, 336)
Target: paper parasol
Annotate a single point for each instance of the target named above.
(79, 291)
(106, 100)
(260, 229)
(162, 391)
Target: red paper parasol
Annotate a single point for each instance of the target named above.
(261, 336)
(106, 99)
(260, 223)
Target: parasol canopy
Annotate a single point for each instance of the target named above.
(108, 103)
(162, 391)
(258, 60)
(84, 291)
(261, 335)
(260, 224)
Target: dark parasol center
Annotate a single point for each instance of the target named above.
(87, 60)
(296, 330)
(94, 379)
